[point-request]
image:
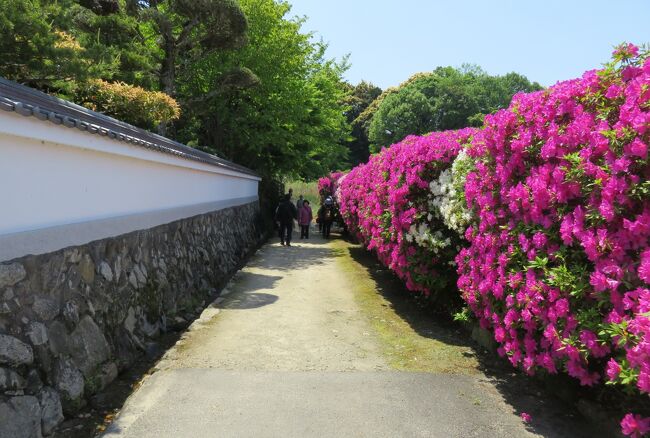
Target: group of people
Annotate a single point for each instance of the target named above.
(287, 212)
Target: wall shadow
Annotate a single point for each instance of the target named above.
(252, 281)
(315, 236)
(299, 255)
(246, 300)
(91, 420)
(553, 417)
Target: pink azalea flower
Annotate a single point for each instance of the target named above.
(637, 148)
(613, 370)
(635, 425)
(613, 92)
(644, 266)
(644, 381)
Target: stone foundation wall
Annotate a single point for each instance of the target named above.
(71, 320)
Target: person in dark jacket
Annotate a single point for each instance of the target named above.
(328, 219)
(285, 214)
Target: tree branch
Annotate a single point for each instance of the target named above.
(183, 38)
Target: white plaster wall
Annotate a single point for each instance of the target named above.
(53, 176)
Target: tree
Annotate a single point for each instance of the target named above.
(186, 30)
(401, 114)
(36, 47)
(56, 46)
(117, 37)
(366, 116)
(292, 122)
(447, 98)
(83, 51)
(358, 99)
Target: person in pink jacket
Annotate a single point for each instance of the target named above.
(305, 217)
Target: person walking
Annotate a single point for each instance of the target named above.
(319, 219)
(285, 214)
(305, 217)
(299, 202)
(326, 217)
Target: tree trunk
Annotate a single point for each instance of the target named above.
(168, 74)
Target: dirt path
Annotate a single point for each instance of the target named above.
(305, 341)
(289, 309)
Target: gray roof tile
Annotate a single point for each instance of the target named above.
(32, 103)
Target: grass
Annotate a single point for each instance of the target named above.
(410, 338)
(309, 190)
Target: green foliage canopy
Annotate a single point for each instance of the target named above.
(447, 98)
(185, 30)
(55, 45)
(358, 99)
(291, 122)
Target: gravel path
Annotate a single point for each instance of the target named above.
(293, 348)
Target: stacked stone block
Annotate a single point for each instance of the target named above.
(72, 320)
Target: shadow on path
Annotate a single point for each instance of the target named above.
(243, 296)
(245, 300)
(252, 281)
(301, 254)
(551, 416)
(106, 403)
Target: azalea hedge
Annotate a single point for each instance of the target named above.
(393, 205)
(328, 185)
(542, 215)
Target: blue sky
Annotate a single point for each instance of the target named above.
(548, 41)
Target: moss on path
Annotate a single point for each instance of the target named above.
(418, 344)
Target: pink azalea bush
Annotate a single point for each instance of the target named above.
(555, 259)
(558, 265)
(328, 185)
(387, 204)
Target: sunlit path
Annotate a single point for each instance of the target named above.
(292, 350)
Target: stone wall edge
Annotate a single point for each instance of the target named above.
(46, 240)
